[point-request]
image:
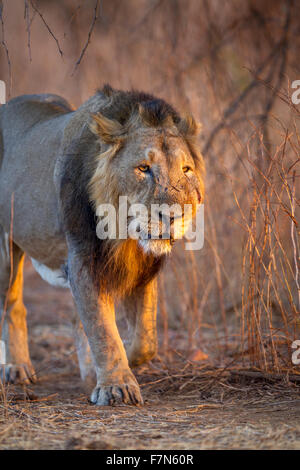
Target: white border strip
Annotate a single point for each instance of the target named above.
(2, 353)
(2, 92)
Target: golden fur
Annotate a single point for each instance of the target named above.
(125, 261)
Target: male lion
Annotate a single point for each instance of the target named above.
(57, 165)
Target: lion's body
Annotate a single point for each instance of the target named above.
(29, 162)
(54, 171)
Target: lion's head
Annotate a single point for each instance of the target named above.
(149, 154)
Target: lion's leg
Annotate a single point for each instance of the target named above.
(115, 380)
(13, 326)
(141, 309)
(86, 366)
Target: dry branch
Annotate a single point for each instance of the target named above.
(3, 43)
(95, 17)
(47, 26)
(280, 45)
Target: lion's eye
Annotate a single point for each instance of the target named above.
(144, 168)
(186, 169)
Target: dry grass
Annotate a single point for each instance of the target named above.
(253, 316)
(199, 408)
(204, 404)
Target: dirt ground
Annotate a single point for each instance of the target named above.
(188, 405)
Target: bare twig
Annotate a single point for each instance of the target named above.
(47, 26)
(264, 375)
(75, 14)
(3, 43)
(95, 17)
(295, 251)
(253, 84)
(28, 24)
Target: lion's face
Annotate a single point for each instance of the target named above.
(155, 168)
(157, 165)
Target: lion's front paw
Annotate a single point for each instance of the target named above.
(17, 373)
(117, 393)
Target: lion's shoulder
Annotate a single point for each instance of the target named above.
(27, 110)
(43, 100)
(24, 113)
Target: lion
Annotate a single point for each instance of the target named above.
(57, 166)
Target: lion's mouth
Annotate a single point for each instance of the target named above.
(162, 236)
(157, 247)
(159, 234)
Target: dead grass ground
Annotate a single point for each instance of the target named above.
(187, 405)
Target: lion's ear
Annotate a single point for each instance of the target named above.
(189, 127)
(109, 130)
